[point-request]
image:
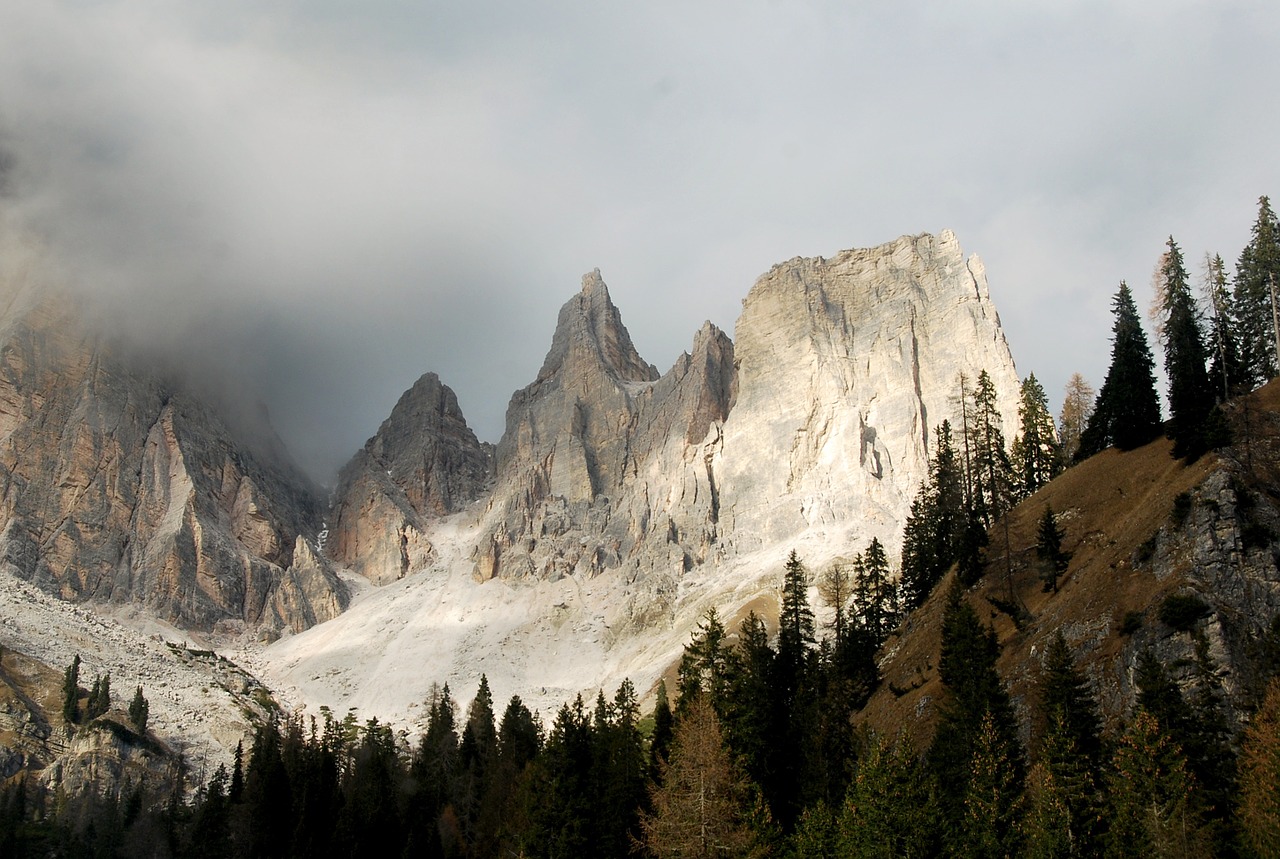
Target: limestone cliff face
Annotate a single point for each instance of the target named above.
(604, 463)
(423, 463)
(116, 486)
(813, 430)
(845, 365)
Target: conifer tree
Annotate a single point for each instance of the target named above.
(993, 802)
(663, 729)
(1036, 456)
(1257, 273)
(1065, 814)
(703, 664)
(1226, 372)
(1259, 809)
(1049, 552)
(892, 806)
(875, 594)
(937, 523)
(1151, 794)
(1065, 698)
(1185, 358)
(703, 806)
(1077, 408)
(967, 667)
(795, 628)
(993, 472)
(139, 711)
(71, 692)
(1127, 412)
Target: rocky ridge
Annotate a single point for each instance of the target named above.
(423, 463)
(120, 486)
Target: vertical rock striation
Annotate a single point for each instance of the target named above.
(423, 463)
(117, 486)
(845, 366)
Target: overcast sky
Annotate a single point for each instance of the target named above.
(332, 198)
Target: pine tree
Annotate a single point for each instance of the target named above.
(703, 664)
(1049, 552)
(875, 594)
(1036, 456)
(1065, 814)
(1226, 372)
(973, 688)
(1185, 358)
(139, 710)
(993, 472)
(71, 692)
(993, 802)
(1077, 408)
(1153, 810)
(795, 628)
(936, 525)
(663, 730)
(1127, 412)
(1065, 698)
(1257, 273)
(892, 806)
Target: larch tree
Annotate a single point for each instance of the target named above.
(1077, 407)
(703, 805)
(1127, 412)
(1257, 274)
(1259, 810)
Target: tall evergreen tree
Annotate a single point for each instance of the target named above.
(1226, 371)
(703, 665)
(1259, 811)
(139, 711)
(1185, 358)
(967, 667)
(892, 807)
(1127, 412)
(71, 692)
(875, 593)
(1257, 273)
(1052, 557)
(992, 470)
(795, 628)
(1036, 456)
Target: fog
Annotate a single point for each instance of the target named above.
(318, 202)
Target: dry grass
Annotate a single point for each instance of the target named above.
(1108, 507)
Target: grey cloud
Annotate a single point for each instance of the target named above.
(338, 197)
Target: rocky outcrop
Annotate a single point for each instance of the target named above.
(812, 430)
(604, 464)
(845, 365)
(119, 486)
(423, 463)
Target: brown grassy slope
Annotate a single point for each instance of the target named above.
(1108, 507)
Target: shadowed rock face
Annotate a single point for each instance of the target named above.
(423, 463)
(117, 486)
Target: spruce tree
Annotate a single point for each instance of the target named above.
(1066, 700)
(1226, 371)
(71, 692)
(795, 628)
(663, 730)
(1257, 273)
(1036, 456)
(993, 472)
(892, 807)
(1185, 358)
(973, 688)
(139, 711)
(1127, 412)
(1049, 552)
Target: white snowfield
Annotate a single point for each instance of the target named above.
(542, 640)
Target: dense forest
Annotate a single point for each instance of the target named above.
(754, 751)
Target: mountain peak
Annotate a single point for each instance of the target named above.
(590, 335)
